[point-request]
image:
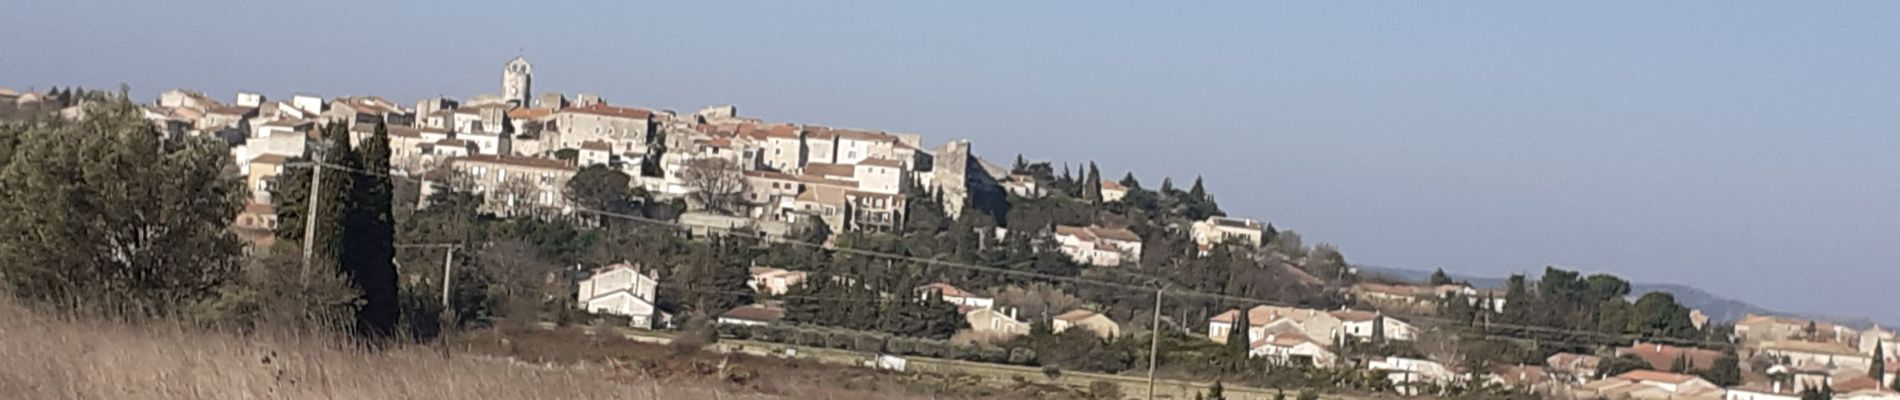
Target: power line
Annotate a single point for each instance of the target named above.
(1079, 280)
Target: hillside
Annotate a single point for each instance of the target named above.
(1719, 308)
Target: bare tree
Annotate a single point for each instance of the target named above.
(521, 280)
(1038, 300)
(518, 196)
(716, 184)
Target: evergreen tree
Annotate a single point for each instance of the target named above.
(1019, 166)
(1197, 191)
(1167, 186)
(101, 210)
(1239, 340)
(1879, 369)
(1727, 370)
(1092, 184)
(368, 254)
(1440, 278)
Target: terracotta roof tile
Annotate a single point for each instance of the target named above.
(1655, 376)
(610, 111)
(755, 313)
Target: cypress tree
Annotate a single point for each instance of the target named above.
(1197, 191)
(1092, 184)
(1239, 338)
(1167, 185)
(1879, 369)
(370, 232)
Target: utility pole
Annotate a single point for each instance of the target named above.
(1154, 342)
(448, 259)
(310, 221)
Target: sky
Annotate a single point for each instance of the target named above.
(1751, 149)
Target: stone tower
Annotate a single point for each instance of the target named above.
(515, 80)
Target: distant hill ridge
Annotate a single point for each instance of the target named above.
(1720, 309)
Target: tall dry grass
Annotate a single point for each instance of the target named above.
(44, 357)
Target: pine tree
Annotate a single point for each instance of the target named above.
(1167, 186)
(1440, 278)
(100, 210)
(1020, 166)
(1197, 191)
(370, 233)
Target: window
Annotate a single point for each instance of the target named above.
(501, 175)
(547, 178)
(480, 171)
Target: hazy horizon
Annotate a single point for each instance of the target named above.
(1743, 148)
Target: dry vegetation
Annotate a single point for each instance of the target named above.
(77, 358)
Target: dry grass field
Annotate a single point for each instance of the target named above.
(43, 357)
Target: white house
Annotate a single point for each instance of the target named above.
(1085, 319)
(1265, 320)
(995, 322)
(1676, 384)
(1113, 191)
(953, 295)
(1293, 348)
(1817, 353)
(1368, 325)
(1406, 373)
(1099, 246)
(880, 175)
(774, 281)
(752, 315)
(1217, 230)
(1772, 391)
(622, 289)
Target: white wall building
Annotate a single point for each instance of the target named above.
(622, 289)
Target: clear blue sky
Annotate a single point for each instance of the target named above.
(1749, 148)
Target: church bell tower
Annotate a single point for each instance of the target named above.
(515, 80)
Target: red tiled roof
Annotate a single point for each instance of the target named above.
(838, 170)
(1662, 356)
(755, 313)
(1856, 384)
(882, 162)
(270, 159)
(1355, 315)
(1112, 185)
(944, 289)
(596, 145)
(610, 111)
(259, 208)
(1283, 340)
(530, 113)
(1655, 376)
(512, 160)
